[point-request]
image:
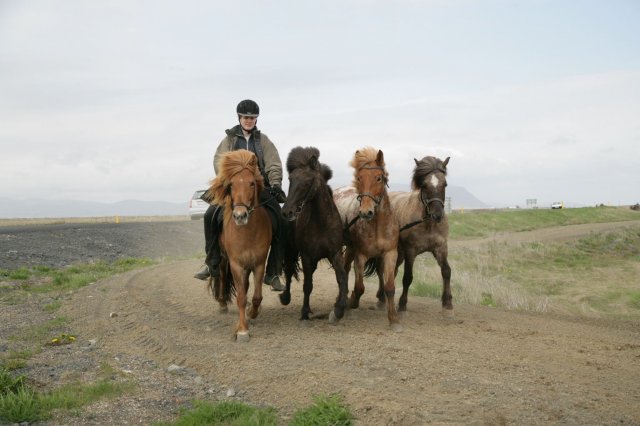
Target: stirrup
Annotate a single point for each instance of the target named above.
(274, 282)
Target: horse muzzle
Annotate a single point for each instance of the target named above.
(366, 214)
(241, 217)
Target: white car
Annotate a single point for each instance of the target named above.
(197, 206)
(557, 205)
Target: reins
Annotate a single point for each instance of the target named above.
(425, 203)
(376, 200)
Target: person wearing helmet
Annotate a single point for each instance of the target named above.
(246, 135)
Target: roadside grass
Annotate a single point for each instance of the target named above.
(19, 284)
(478, 224)
(20, 403)
(326, 410)
(595, 275)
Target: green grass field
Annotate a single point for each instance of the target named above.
(595, 276)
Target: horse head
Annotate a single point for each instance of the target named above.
(238, 184)
(306, 175)
(370, 180)
(430, 178)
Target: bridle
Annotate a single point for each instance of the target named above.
(375, 199)
(428, 201)
(427, 211)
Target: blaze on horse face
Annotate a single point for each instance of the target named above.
(244, 196)
(433, 186)
(371, 180)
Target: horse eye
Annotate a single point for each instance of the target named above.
(379, 178)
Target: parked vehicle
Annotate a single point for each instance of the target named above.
(557, 205)
(197, 206)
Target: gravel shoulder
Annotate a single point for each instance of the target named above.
(486, 366)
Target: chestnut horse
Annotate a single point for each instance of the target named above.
(317, 227)
(245, 237)
(372, 229)
(424, 227)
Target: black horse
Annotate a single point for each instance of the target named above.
(317, 228)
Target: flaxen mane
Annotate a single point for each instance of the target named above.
(364, 157)
(424, 167)
(230, 164)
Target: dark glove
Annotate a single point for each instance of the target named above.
(278, 193)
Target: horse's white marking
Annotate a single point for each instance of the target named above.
(434, 181)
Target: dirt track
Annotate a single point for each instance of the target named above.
(488, 366)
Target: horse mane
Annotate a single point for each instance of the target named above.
(424, 167)
(230, 164)
(363, 157)
(302, 157)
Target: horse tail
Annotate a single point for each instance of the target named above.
(223, 291)
(229, 288)
(371, 267)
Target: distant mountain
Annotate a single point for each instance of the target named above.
(460, 197)
(38, 208)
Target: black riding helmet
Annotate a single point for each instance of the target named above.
(248, 108)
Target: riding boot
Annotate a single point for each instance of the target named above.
(271, 277)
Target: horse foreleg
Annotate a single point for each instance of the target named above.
(445, 270)
(308, 268)
(380, 294)
(342, 278)
(242, 328)
(256, 300)
(389, 262)
(358, 285)
(407, 279)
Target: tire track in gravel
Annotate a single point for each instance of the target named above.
(487, 366)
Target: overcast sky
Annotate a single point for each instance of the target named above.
(116, 100)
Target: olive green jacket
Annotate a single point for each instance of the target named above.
(272, 163)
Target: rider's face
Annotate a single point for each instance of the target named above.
(248, 123)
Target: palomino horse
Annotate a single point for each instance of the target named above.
(372, 229)
(245, 236)
(317, 227)
(424, 227)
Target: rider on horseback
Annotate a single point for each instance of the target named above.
(247, 136)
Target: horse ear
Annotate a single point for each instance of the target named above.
(380, 158)
(417, 162)
(445, 162)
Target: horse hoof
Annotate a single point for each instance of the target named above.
(242, 336)
(448, 314)
(305, 323)
(396, 328)
(403, 314)
(381, 305)
(333, 319)
(223, 309)
(285, 298)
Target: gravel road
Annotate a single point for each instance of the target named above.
(160, 328)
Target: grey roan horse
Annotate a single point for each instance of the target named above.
(423, 227)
